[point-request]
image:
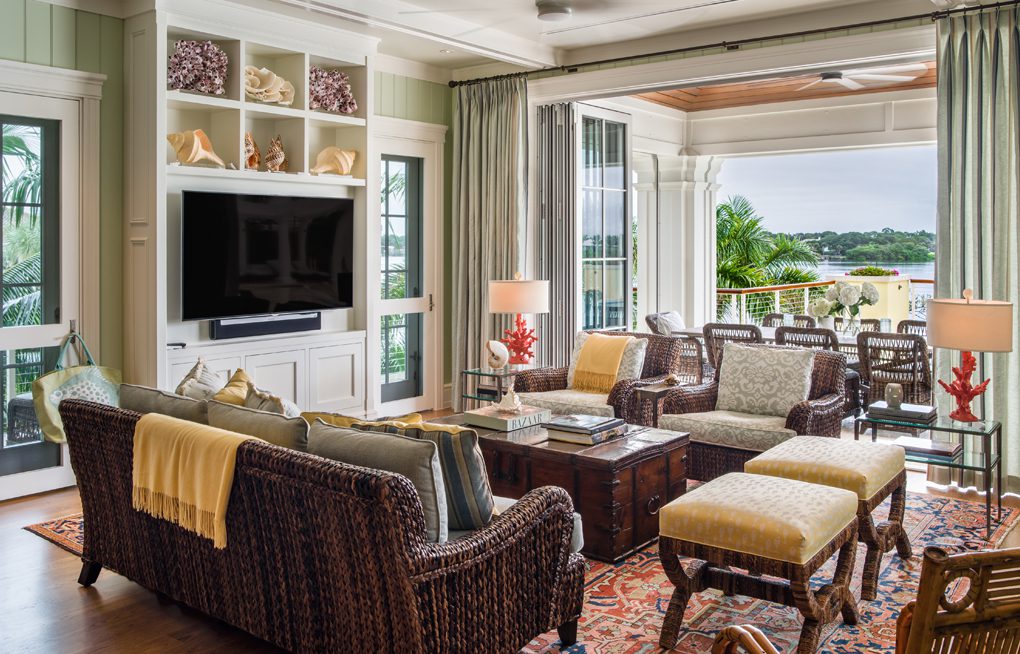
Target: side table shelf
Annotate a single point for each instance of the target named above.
(488, 384)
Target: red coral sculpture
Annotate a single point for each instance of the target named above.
(963, 390)
(519, 341)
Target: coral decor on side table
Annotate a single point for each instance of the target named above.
(197, 66)
(519, 296)
(969, 325)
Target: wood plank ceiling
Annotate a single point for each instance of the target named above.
(783, 89)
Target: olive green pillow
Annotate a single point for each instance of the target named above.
(274, 428)
(152, 400)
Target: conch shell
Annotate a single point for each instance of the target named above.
(194, 147)
(510, 402)
(276, 158)
(264, 85)
(252, 157)
(334, 160)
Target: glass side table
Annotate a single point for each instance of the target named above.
(986, 460)
(488, 384)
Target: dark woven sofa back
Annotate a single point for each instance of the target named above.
(317, 556)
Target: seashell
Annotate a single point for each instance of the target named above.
(334, 160)
(276, 158)
(194, 147)
(264, 85)
(252, 157)
(495, 354)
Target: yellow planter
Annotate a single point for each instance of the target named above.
(893, 296)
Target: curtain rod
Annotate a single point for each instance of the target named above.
(735, 45)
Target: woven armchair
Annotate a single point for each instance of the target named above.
(779, 319)
(817, 338)
(895, 358)
(820, 415)
(665, 355)
(326, 557)
(718, 334)
(919, 327)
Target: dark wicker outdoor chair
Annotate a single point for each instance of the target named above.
(665, 355)
(817, 338)
(718, 334)
(919, 327)
(894, 358)
(779, 319)
(820, 415)
(327, 557)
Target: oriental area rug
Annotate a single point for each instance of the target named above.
(626, 602)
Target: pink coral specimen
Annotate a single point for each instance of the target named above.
(330, 90)
(197, 66)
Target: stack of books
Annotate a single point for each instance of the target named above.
(920, 413)
(928, 447)
(584, 430)
(491, 417)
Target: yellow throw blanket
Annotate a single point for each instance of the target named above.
(183, 472)
(599, 362)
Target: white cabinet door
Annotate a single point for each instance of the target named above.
(281, 373)
(337, 377)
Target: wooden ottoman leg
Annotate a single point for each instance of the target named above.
(831, 600)
(896, 510)
(882, 539)
(686, 584)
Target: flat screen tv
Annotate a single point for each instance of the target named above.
(251, 255)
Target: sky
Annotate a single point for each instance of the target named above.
(842, 191)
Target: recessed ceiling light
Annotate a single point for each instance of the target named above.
(444, 51)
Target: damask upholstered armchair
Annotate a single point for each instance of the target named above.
(551, 387)
(762, 396)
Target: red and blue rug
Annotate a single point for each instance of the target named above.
(625, 603)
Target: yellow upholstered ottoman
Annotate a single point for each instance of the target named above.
(769, 526)
(873, 471)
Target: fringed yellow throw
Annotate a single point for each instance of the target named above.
(599, 362)
(183, 472)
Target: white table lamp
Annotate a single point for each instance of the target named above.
(519, 296)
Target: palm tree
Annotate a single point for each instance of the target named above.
(22, 172)
(748, 255)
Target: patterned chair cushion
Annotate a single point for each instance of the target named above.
(766, 381)
(864, 468)
(567, 401)
(631, 365)
(502, 504)
(744, 431)
(772, 517)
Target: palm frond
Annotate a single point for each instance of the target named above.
(22, 305)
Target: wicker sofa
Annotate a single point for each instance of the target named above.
(664, 355)
(324, 556)
(819, 415)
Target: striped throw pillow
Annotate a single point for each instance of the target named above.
(469, 502)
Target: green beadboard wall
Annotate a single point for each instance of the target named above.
(39, 33)
(397, 96)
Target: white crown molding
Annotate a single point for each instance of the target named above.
(115, 8)
(416, 69)
(50, 80)
(414, 130)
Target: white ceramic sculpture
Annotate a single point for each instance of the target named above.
(894, 395)
(510, 403)
(334, 161)
(263, 85)
(496, 355)
(194, 147)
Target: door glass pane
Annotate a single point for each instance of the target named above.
(591, 284)
(401, 339)
(616, 224)
(592, 147)
(400, 228)
(615, 294)
(591, 223)
(30, 271)
(22, 448)
(615, 155)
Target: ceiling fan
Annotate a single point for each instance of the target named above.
(851, 79)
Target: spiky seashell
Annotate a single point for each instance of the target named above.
(334, 160)
(194, 147)
(276, 158)
(252, 157)
(263, 85)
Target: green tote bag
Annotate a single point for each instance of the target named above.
(83, 382)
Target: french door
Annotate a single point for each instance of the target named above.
(39, 277)
(409, 360)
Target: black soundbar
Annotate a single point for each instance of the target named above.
(284, 323)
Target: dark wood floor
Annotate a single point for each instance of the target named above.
(43, 609)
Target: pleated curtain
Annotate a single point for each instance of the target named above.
(979, 174)
(557, 230)
(489, 208)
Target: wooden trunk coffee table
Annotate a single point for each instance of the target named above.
(618, 487)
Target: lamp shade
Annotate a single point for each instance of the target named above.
(970, 325)
(519, 296)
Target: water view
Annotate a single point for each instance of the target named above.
(925, 270)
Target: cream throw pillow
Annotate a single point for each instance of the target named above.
(631, 365)
(266, 401)
(200, 383)
(763, 381)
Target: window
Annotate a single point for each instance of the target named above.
(605, 225)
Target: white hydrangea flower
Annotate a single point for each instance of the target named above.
(869, 292)
(819, 308)
(832, 293)
(849, 295)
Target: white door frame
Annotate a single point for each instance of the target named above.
(411, 138)
(72, 98)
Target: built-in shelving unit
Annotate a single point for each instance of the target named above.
(154, 181)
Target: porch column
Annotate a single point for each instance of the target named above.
(646, 196)
(686, 236)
